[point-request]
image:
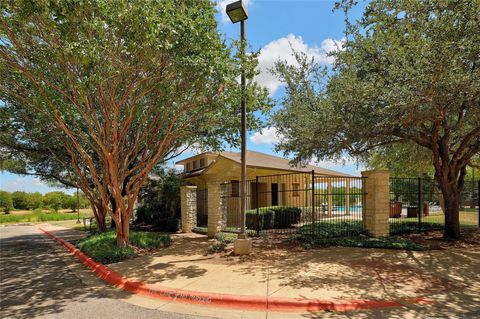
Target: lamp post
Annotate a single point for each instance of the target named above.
(237, 13)
(78, 207)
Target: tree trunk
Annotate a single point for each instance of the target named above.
(452, 216)
(99, 212)
(122, 229)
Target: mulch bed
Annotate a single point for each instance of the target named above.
(434, 240)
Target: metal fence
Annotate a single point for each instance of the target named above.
(416, 205)
(298, 203)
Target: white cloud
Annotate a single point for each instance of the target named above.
(283, 48)
(222, 5)
(266, 136)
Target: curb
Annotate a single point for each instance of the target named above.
(258, 303)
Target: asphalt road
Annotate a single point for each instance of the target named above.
(36, 283)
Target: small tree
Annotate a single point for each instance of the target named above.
(55, 200)
(20, 200)
(6, 203)
(408, 73)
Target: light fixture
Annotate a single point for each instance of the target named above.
(236, 11)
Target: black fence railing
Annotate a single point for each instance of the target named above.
(298, 203)
(416, 205)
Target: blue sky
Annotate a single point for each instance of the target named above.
(273, 27)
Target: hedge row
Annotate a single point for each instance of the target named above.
(273, 217)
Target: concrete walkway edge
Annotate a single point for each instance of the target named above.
(226, 300)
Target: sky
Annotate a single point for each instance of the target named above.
(274, 27)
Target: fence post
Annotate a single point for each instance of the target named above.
(313, 203)
(216, 208)
(420, 203)
(188, 203)
(256, 204)
(377, 202)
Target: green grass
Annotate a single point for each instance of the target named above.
(326, 229)
(391, 242)
(43, 216)
(103, 248)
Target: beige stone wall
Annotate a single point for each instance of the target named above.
(377, 202)
(188, 201)
(217, 208)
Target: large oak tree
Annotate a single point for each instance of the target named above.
(408, 72)
(108, 89)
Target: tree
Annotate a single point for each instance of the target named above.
(6, 203)
(56, 200)
(160, 200)
(122, 86)
(20, 200)
(408, 72)
(35, 200)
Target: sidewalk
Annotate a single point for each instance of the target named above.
(449, 278)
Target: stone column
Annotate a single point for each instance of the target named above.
(188, 200)
(377, 202)
(217, 208)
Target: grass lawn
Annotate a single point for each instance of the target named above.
(103, 248)
(40, 216)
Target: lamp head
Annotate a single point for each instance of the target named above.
(236, 11)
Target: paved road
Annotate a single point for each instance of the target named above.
(36, 283)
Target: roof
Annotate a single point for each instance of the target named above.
(262, 160)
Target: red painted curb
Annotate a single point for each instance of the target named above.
(225, 300)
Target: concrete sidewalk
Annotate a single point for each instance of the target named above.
(450, 278)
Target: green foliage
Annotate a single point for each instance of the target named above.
(222, 240)
(331, 229)
(160, 205)
(6, 203)
(56, 200)
(20, 200)
(103, 248)
(364, 242)
(40, 216)
(35, 200)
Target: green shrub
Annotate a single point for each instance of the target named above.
(103, 248)
(227, 238)
(365, 242)
(170, 224)
(264, 217)
(6, 203)
(285, 217)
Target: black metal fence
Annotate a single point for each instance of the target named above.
(298, 203)
(416, 205)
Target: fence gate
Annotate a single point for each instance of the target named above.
(298, 204)
(416, 205)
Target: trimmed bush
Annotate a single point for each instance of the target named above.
(265, 219)
(285, 217)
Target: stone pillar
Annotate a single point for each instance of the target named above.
(188, 200)
(377, 202)
(217, 208)
(347, 196)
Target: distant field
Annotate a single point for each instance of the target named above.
(42, 216)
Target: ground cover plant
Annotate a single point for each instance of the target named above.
(102, 246)
(392, 242)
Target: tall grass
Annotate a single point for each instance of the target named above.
(39, 217)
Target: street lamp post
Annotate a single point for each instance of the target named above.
(78, 207)
(237, 13)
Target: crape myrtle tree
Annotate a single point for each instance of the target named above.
(408, 72)
(118, 86)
